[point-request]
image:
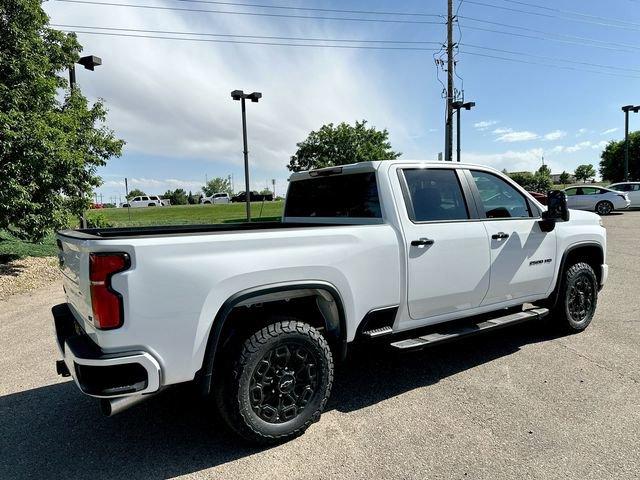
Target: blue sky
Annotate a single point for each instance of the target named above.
(170, 99)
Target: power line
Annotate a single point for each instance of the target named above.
(544, 57)
(364, 47)
(549, 36)
(247, 42)
(563, 67)
(547, 15)
(264, 37)
(252, 14)
(309, 9)
(570, 12)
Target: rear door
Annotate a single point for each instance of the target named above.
(447, 251)
(523, 257)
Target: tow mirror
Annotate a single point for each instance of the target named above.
(557, 210)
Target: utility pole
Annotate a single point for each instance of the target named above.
(457, 106)
(448, 134)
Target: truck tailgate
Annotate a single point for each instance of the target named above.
(74, 263)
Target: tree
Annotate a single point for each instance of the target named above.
(585, 172)
(612, 159)
(266, 191)
(564, 178)
(524, 179)
(177, 197)
(190, 198)
(533, 182)
(50, 144)
(340, 145)
(542, 179)
(217, 185)
(136, 192)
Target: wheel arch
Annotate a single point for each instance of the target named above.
(326, 295)
(590, 252)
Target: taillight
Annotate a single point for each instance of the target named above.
(106, 303)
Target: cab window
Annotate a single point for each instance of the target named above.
(499, 198)
(435, 195)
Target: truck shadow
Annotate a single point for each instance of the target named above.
(55, 432)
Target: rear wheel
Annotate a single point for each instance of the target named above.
(280, 383)
(578, 298)
(604, 207)
(151, 205)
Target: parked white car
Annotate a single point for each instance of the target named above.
(216, 198)
(596, 199)
(144, 201)
(632, 189)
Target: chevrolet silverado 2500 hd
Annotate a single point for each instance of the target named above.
(411, 252)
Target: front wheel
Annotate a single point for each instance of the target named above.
(280, 383)
(604, 208)
(578, 297)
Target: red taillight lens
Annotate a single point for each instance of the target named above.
(106, 303)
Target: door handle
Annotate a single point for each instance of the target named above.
(499, 235)
(422, 242)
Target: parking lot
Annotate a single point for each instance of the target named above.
(518, 403)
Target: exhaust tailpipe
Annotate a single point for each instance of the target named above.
(113, 406)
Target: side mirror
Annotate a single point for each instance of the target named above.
(556, 206)
(557, 210)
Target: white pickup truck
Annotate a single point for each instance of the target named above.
(415, 253)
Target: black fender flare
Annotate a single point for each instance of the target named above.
(553, 298)
(205, 375)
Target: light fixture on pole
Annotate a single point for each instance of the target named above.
(254, 97)
(626, 109)
(457, 106)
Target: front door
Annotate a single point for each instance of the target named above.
(447, 254)
(523, 257)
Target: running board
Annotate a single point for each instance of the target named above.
(378, 332)
(471, 329)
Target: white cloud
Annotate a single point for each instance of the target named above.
(513, 161)
(581, 131)
(521, 136)
(171, 99)
(587, 144)
(485, 124)
(499, 131)
(609, 130)
(555, 135)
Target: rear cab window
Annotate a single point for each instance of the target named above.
(350, 195)
(434, 195)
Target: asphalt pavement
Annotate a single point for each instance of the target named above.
(519, 403)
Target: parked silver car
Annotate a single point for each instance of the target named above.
(599, 199)
(632, 189)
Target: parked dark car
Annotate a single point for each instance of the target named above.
(253, 197)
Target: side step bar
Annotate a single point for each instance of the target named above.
(471, 329)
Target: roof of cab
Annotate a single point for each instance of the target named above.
(373, 166)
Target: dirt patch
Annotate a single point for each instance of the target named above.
(20, 276)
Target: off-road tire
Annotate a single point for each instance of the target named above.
(233, 397)
(577, 299)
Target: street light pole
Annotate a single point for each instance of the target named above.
(457, 106)
(254, 97)
(89, 62)
(626, 109)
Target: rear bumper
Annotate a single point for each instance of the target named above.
(100, 374)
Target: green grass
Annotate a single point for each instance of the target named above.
(12, 249)
(188, 214)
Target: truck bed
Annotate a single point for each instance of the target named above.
(166, 230)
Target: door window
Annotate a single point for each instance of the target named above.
(144, 199)
(570, 192)
(435, 195)
(499, 198)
